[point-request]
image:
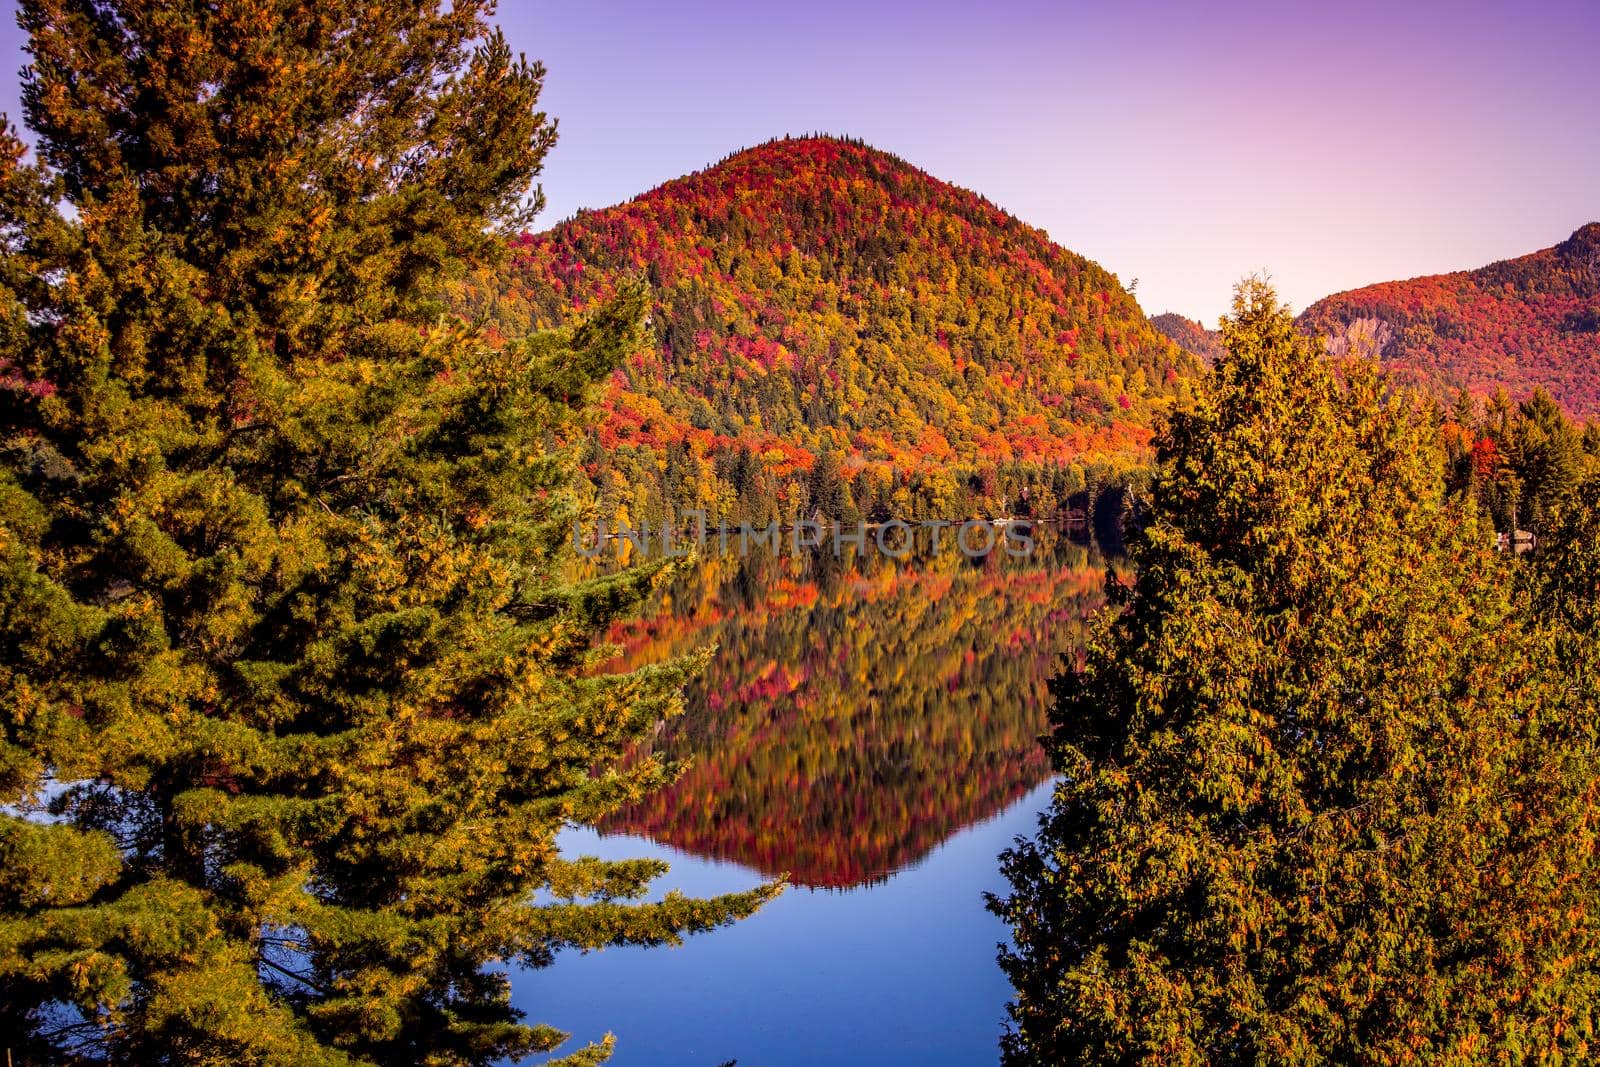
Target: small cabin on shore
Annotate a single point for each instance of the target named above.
(1519, 542)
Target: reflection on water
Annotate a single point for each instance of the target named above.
(897, 974)
(857, 715)
(858, 711)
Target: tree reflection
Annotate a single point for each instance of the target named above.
(858, 710)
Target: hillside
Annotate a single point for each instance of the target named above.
(1189, 335)
(817, 298)
(1520, 323)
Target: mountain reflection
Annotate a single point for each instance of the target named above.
(858, 711)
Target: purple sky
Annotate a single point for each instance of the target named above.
(1183, 144)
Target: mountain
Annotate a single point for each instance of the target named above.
(1520, 323)
(1189, 335)
(832, 324)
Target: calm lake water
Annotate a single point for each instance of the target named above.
(867, 726)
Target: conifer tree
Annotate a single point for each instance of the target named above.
(293, 697)
(1324, 797)
(1565, 578)
(827, 487)
(1547, 454)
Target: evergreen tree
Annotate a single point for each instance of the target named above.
(1547, 455)
(293, 699)
(828, 492)
(1324, 798)
(1497, 416)
(1566, 575)
(1465, 411)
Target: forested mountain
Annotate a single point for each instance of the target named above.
(1188, 335)
(836, 330)
(1520, 323)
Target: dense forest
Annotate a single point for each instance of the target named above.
(837, 331)
(303, 687)
(1521, 324)
(1518, 462)
(1328, 773)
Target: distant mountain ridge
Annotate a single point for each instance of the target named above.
(814, 295)
(1189, 335)
(1518, 324)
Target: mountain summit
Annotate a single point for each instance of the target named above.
(814, 295)
(1189, 335)
(1519, 323)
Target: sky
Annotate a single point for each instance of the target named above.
(1182, 144)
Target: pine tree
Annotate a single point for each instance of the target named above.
(1566, 575)
(827, 487)
(291, 664)
(1324, 797)
(1497, 416)
(1465, 411)
(1547, 455)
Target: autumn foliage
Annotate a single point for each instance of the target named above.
(1190, 336)
(815, 293)
(1518, 324)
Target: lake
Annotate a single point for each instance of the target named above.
(868, 726)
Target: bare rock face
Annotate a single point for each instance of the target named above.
(1366, 337)
(1517, 324)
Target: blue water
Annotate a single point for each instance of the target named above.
(901, 972)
